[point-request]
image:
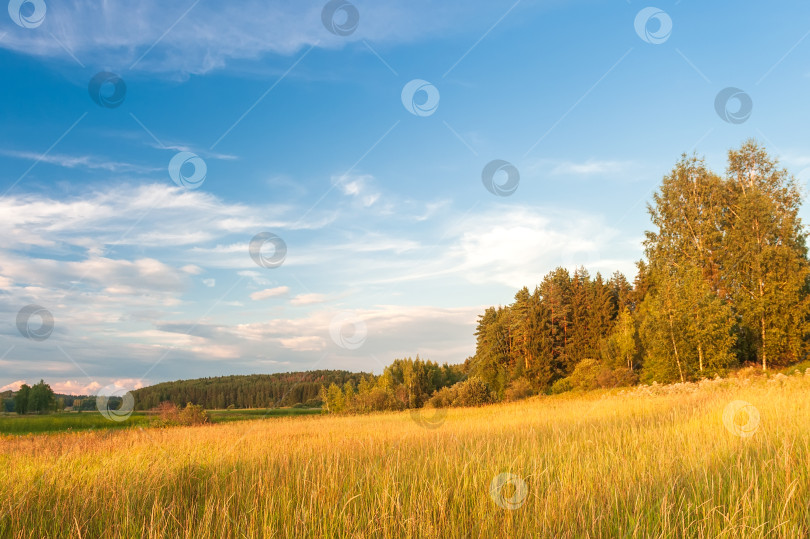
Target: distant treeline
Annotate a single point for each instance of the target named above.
(248, 391)
(41, 399)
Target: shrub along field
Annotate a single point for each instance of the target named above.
(662, 461)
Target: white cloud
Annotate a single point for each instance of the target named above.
(270, 293)
(308, 299)
(593, 167)
(196, 38)
(358, 187)
(83, 161)
(13, 386)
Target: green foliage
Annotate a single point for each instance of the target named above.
(406, 383)
(253, 391)
(38, 398)
(561, 386)
(519, 389)
(21, 399)
(169, 414)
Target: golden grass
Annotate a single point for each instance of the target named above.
(598, 465)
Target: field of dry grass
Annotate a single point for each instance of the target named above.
(658, 462)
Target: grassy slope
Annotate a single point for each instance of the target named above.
(637, 464)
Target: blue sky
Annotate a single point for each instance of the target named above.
(394, 245)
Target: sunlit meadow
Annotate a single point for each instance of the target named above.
(654, 461)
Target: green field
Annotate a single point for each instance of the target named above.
(70, 421)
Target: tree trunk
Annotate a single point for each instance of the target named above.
(700, 356)
(675, 347)
(762, 323)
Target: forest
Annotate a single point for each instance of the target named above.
(244, 391)
(723, 284)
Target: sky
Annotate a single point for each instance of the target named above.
(200, 188)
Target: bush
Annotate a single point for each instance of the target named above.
(472, 392)
(170, 415)
(376, 399)
(519, 389)
(585, 374)
(590, 374)
(561, 386)
(193, 414)
(444, 397)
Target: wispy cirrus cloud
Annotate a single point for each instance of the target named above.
(196, 37)
(88, 162)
